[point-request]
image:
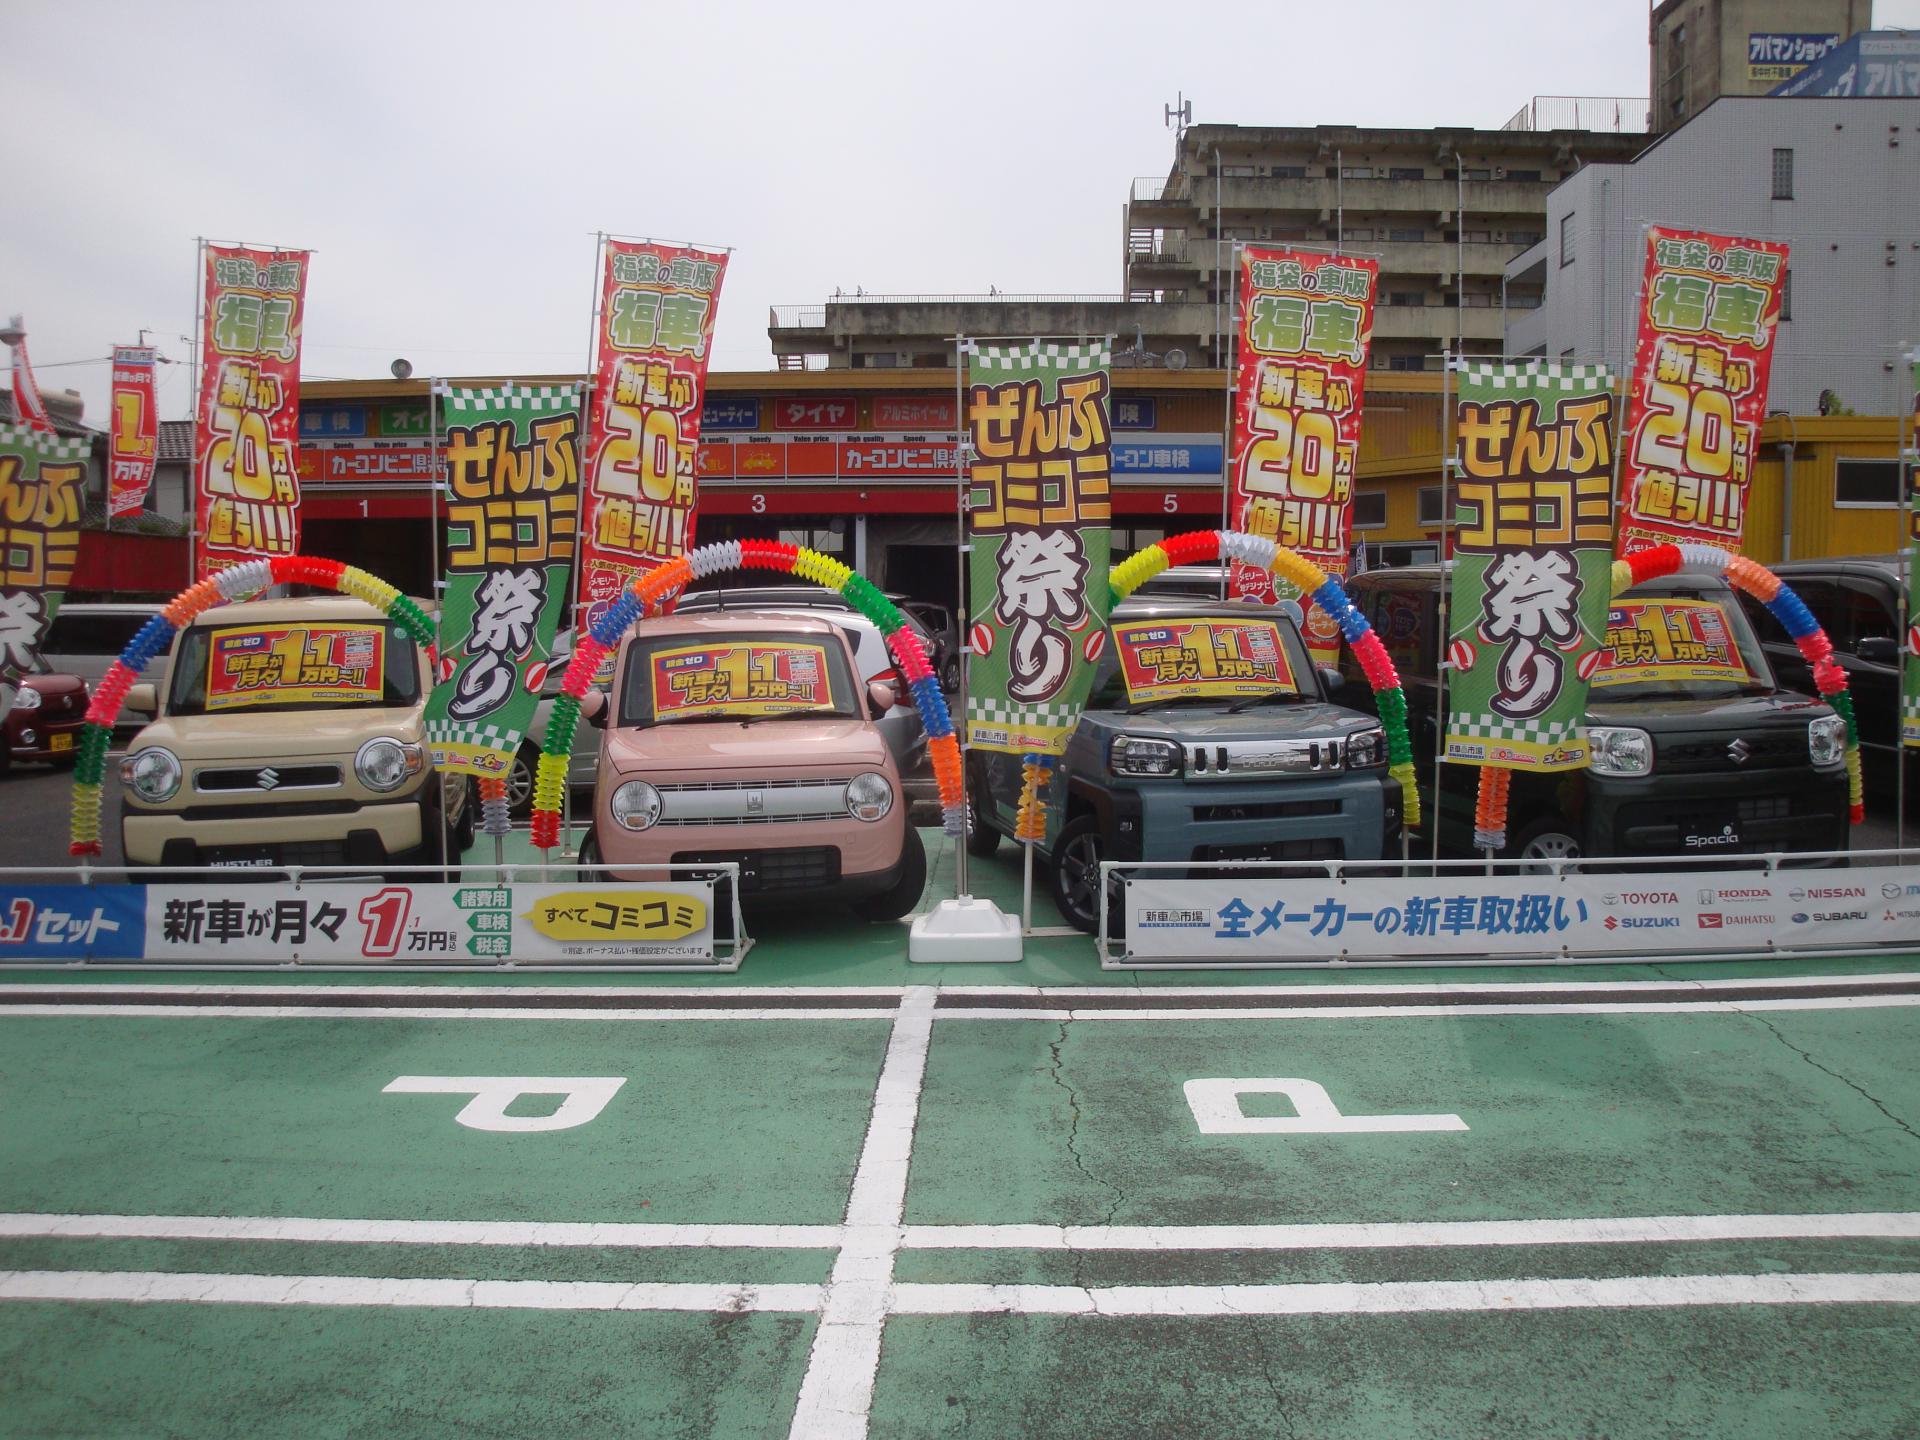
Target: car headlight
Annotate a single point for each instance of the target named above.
(869, 796)
(153, 774)
(385, 764)
(1367, 750)
(1141, 755)
(1827, 740)
(1620, 751)
(26, 698)
(636, 805)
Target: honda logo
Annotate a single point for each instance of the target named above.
(269, 778)
(1738, 751)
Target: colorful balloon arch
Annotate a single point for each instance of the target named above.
(1200, 546)
(655, 586)
(234, 583)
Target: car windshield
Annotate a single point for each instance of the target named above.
(673, 679)
(293, 665)
(1201, 659)
(1679, 647)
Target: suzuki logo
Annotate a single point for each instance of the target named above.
(1738, 751)
(269, 778)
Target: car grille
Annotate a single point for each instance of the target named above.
(753, 802)
(277, 811)
(267, 778)
(1241, 758)
(1772, 750)
(764, 871)
(1321, 849)
(1277, 810)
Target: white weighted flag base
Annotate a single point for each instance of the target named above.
(965, 931)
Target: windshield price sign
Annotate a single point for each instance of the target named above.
(1670, 640)
(1186, 659)
(691, 680)
(296, 664)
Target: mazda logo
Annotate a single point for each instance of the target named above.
(269, 778)
(1738, 751)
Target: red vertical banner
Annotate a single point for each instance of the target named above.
(1306, 323)
(246, 489)
(1709, 305)
(133, 436)
(655, 337)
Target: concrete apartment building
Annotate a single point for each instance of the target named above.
(1443, 210)
(1834, 179)
(1699, 50)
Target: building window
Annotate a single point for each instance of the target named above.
(1407, 237)
(1356, 172)
(1783, 174)
(1406, 362)
(1429, 514)
(1479, 173)
(1289, 172)
(1406, 172)
(1530, 176)
(1566, 238)
(1240, 172)
(1359, 232)
(1866, 484)
(1406, 297)
(1370, 510)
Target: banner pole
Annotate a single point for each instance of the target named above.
(962, 608)
(1444, 639)
(586, 449)
(1026, 890)
(436, 586)
(193, 406)
(1226, 439)
(1909, 452)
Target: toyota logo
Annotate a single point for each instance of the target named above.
(1738, 751)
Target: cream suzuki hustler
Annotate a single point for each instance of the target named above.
(289, 732)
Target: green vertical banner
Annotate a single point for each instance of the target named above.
(513, 498)
(1533, 556)
(41, 478)
(1910, 685)
(1038, 505)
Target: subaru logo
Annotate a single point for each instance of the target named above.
(268, 778)
(1738, 751)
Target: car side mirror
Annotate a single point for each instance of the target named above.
(1331, 680)
(594, 706)
(143, 700)
(883, 696)
(1879, 650)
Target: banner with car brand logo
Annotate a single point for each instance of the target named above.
(1708, 308)
(653, 342)
(41, 478)
(1910, 684)
(1251, 918)
(246, 480)
(1038, 505)
(1306, 323)
(133, 441)
(513, 495)
(1533, 555)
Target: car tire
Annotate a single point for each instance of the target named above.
(1076, 873)
(468, 827)
(901, 896)
(526, 761)
(1551, 837)
(589, 855)
(950, 676)
(982, 838)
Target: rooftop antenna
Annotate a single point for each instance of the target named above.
(1179, 115)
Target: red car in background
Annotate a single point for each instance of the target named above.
(43, 723)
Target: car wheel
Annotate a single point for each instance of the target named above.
(982, 838)
(1552, 837)
(464, 832)
(589, 856)
(900, 897)
(1076, 873)
(520, 782)
(950, 676)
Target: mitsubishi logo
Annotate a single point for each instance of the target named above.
(1738, 751)
(756, 802)
(269, 778)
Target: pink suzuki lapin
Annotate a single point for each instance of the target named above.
(749, 737)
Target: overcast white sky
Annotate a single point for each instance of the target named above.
(450, 162)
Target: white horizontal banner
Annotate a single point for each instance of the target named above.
(662, 921)
(1248, 917)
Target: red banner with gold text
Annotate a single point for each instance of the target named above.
(134, 438)
(655, 336)
(1306, 321)
(1708, 308)
(246, 487)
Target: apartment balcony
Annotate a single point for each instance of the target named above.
(841, 327)
(1428, 197)
(1438, 323)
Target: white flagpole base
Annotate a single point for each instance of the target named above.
(965, 931)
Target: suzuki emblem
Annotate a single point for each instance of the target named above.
(1738, 751)
(269, 778)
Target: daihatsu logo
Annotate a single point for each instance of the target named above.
(756, 802)
(269, 778)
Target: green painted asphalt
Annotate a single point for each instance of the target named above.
(1084, 1123)
(193, 1371)
(1718, 1374)
(745, 1122)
